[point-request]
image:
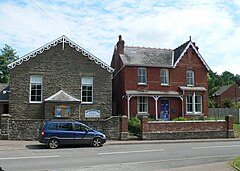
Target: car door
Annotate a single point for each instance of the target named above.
(83, 134)
(66, 133)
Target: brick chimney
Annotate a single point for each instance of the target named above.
(120, 45)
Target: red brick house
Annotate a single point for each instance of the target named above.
(163, 83)
(230, 92)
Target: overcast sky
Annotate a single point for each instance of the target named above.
(214, 25)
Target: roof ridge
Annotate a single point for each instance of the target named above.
(147, 47)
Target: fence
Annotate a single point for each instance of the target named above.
(157, 130)
(221, 113)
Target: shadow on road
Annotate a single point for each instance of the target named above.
(42, 146)
(36, 147)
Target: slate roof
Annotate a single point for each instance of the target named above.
(155, 57)
(4, 97)
(61, 96)
(179, 50)
(147, 56)
(222, 90)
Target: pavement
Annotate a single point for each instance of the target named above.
(6, 145)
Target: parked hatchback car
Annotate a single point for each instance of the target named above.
(56, 133)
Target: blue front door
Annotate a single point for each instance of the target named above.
(164, 115)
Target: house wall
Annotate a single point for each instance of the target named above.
(61, 70)
(232, 93)
(127, 79)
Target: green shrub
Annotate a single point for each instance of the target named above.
(181, 119)
(134, 126)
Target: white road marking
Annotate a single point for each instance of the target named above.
(180, 159)
(29, 157)
(209, 147)
(127, 152)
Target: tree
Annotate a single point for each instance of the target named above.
(228, 78)
(7, 56)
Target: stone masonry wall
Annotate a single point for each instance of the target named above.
(61, 70)
(28, 129)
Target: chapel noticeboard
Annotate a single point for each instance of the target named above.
(92, 113)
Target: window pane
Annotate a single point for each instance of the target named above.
(87, 80)
(190, 77)
(87, 89)
(36, 79)
(142, 76)
(35, 88)
(142, 104)
(164, 76)
(53, 126)
(189, 103)
(198, 103)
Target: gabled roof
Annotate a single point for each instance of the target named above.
(146, 56)
(155, 57)
(61, 96)
(63, 39)
(222, 90)
(181, 50)
(4, 92)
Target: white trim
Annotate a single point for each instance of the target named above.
(82, 89)
(194, 112)
(166, 73)
(60, 92)
(145, 70)
(172, 57)
(199, 55)
(138, 103)
(30, 92)
(62, 39)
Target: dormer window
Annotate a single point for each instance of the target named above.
(190, 77)
(142, 75)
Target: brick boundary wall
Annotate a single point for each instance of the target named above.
(170, 130)
(28, 129)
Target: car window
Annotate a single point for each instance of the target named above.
(80, 127)
(65, 126)
(53, 126)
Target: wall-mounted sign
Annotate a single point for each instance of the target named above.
(92, 113)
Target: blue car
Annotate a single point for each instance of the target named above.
(56, 133)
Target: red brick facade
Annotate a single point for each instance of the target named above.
(232, 92)
(126, 89)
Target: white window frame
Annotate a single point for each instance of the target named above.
(35, 82)
(142, 101)
(142, 74)
(194, 103)
(198, 103)
(190, 78)
(164, 76)
(86, 84)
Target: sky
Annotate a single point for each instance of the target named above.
(214, 25)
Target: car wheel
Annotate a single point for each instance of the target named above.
(97, 142)
(53, 143)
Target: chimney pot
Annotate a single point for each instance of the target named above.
(120, 45)
(119, 37)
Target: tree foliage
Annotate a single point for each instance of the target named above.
(7, 56)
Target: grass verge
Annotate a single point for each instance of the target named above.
(236, 128)
(236, 163)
